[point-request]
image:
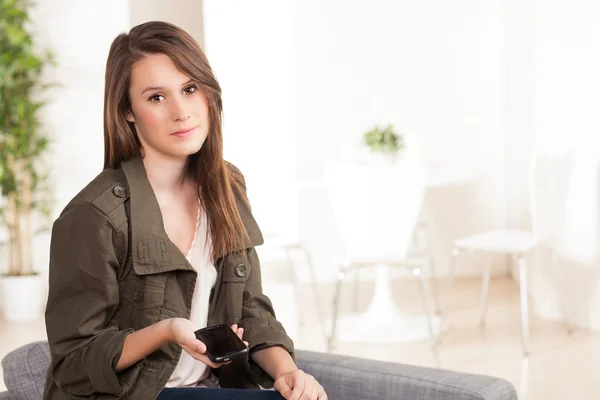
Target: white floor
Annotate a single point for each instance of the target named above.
(560, 366)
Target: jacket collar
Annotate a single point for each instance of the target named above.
(151, 249)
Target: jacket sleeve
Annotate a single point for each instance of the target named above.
(85, 342)
(261, 328)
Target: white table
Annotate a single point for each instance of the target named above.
(383, 322)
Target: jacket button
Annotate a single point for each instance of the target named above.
(138, 296)
(119, 191)
(241, 270)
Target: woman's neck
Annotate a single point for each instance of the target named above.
(165, 174)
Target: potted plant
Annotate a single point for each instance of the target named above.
(23, 195)
(384, 143)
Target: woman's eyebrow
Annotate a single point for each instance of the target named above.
(162, 88)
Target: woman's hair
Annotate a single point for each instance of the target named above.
(216, 182)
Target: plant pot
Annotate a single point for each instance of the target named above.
(385, 158)
(22, 297)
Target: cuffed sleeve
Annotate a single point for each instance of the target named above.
(108, 348)
(85, 341)
(261, 328)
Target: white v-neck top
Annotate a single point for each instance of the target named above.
(189, 371)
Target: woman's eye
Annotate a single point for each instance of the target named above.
(156, 98)
(190, 89)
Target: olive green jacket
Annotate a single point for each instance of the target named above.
(113, 270)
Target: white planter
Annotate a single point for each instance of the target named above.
(22, 298)
(383, 158)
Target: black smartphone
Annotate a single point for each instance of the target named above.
(222, 343)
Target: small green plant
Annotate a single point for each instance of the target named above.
(22, 144)
(384, 140)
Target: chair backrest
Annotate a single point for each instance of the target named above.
(375, 207)
(550, 178)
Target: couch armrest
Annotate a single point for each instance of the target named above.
(4, 396)
(351, 378)
(25, 370)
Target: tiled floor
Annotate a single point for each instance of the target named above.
(560, 366)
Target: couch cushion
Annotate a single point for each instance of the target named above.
(25, 371)
(351, 378)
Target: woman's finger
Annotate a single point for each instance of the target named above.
(195, 344)
(200, 347)
(202, 357)
(322, 394)
(190, 351)
(310, 389)
(298, 383)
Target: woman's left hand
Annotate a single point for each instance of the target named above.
(297, 385)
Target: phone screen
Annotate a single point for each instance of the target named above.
(220, 340)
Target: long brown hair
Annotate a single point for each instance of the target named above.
(216, 182)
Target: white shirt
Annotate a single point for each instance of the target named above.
(191, 372)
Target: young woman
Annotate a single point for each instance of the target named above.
(160, 244)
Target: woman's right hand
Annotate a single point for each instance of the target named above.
(182, 332)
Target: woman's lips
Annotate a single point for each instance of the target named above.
(183, 132)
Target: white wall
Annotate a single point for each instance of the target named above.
(249, 46)
(520, 107)
(566, 75)
(187, 14)
(433, 68)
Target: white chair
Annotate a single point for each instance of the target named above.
(549, 179)
(376, 210)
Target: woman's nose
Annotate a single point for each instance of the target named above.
(179, 113)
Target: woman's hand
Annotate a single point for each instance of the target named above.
(182, 333)
(297, 385)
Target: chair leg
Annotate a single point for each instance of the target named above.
(434, 288)
(315, 287)
(292, 266)
(356, 296)
(449, 295)
(524, 303)
(336, 301)
(428, 315)
(429, 248)
(559, 287)
(485, 288)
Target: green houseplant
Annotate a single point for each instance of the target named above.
(22, 146)
(384, 141)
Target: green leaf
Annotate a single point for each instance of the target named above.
(383, 140)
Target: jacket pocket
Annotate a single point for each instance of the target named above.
(141, 300)
(236, 273)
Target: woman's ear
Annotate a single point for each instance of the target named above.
(130, 117)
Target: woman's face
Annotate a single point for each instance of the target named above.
(169, 111)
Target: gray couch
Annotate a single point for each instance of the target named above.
(344, 378)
